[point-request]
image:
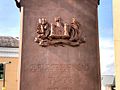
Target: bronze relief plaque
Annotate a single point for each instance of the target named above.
(59, 34)
(60, 49)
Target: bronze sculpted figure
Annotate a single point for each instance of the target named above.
(43, 28)
(59, 33)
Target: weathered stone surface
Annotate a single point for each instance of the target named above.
(60, 68)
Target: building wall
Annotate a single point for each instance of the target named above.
(11, 73)
(116, 14)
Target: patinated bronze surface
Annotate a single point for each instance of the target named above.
(59, 33)
(65, 23)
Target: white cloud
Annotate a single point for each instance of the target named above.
(9, 31)
(107, 55)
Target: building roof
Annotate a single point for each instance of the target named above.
(8, 41)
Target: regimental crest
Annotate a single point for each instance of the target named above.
(59, 33)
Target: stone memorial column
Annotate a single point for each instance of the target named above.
(59, 45)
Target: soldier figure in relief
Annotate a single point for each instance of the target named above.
(75, 30)
(43, 28)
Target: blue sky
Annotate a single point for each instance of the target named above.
(9, 18)
(105, 17)
(10, 26)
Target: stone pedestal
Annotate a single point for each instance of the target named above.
(61, 67)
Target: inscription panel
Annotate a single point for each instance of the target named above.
(59, 76)
(57, 67)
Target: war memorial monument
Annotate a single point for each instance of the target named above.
(59, 45)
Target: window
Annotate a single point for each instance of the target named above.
(1, 71)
